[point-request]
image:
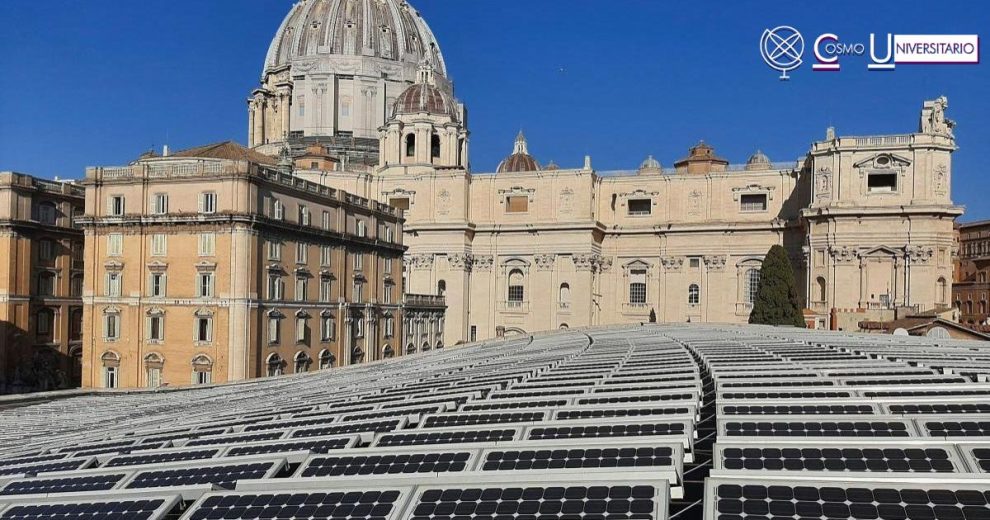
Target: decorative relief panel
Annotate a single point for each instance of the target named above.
(672, 263)
(460, 261)
(544, 262)
(715, 262)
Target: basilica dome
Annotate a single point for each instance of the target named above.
(390, 30)
(424, 97)
(520, 160)
(758, 161)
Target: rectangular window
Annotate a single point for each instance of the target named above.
(204, 330)
(387, 265)
(358, 327)
(362, 229)
(301, 330)
(326, 255)
(204, 285)
(399, 203)
(640, 206)
(753, 202)
(358, 261)
(115, 244)
(274, 287)
(387, 294)
(637, 287)
(156, 285)
(43, 326)
(273, 330)
(516, 293)
(695, 263)
(113, 284)
(389, 327)
(303, 215)
(115, 206)
(204, 378)
(325, 290)
(358, 292)
(474, 333)
(110, 377)
(156, 328)
(301, 289)
(159, 205)
(207, 202)
(881, 182)
(302, 253)
(46, 249)
(516, 204)
(274, 250)
(278, 210)
(76, 286)
(207, 244)
(111, 326)
(326, 220)
(326, 328)
(158, 244)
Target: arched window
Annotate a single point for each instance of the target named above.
(435, 146)
(564, 326)
(111, 367)
(694, 294)
(302, 362)
(410, 348)
(517, 291)
(202, 367)
(153, 365)
(387, 352)
(274, 364)
(941, 291)
(564, 294)
(411, 145)
(44, 324)
(425, 347)
(326, 359)
(357, 355)
(439, 345)
(441, 287)
(752, 284)
(46, 283)
(821, 294)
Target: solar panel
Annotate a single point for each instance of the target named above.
(314, 445)
(447, 437)
(137, 508)
(47, 467)
(63, 484)
(145, 459)
(838, 457)
(224, 474)
(385, 464)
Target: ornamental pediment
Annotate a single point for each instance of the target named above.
(883, 161)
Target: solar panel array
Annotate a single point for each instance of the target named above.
(634, 423)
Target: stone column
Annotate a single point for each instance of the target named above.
(251, 141)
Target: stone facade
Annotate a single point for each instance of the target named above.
(202, 268)
(972, 281)
(41, 280)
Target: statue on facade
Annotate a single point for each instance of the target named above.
(933, 120)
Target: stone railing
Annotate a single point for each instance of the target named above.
(424, 300)
(60, 187)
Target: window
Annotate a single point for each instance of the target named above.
(752, 285)
(115, 244)
(753, 202)
(881, 182)
(159, 204)
(326, 254)
(204, 329)
(158, 244)
(302, 253)
(564, 295)
(328, 327)
(820, 282)
(43, 323)
(47, 213)
(111, 326)
(113, 285)
(301, 330)
(207, 202)
(640, 206)
(115, 205)
(637, 286)
(75, 324)
(326, 220)
(516, 204)
(387, 294)
(941, 291)
(389, 326)
(387, 265)
(435, 146)
(76, 286)
(694, 294)
(207, 244)
(516, 289)
(110, 377)
(694, 263)
(474, 333)
(156, 328)
(358, 326)
(303, 215)
(46, 249)
(399, 203)
(326, 287)
(301, 288)
(358, 292)
(203, 377)
(326, 359)
(204, 285)
(274, 250)
(411, 145)
(274, 330)
(274, 365)
(275, 287)
(362, 230)
(388, 234)
(441, 287)
(302, 362)
(278, 210)
(156, 285)
(46, 284)
(358, 261)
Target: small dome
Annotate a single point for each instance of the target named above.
(551, 166)
(425, 97)
(758, 161)
(650, 165)
(520, 160)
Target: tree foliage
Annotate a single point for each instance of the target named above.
(777, 300)
(653, 316)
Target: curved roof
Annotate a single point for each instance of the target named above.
(425, 97)
(520, 160)
(758, 161)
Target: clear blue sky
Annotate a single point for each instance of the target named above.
(97, 82)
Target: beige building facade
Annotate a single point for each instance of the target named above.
(867, 220)
(215, 264)
(41, 280)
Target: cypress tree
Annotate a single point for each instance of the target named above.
(653, 316)
(776, 297)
